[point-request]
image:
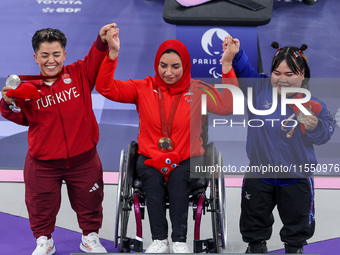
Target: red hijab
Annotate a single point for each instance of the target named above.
(182, 84)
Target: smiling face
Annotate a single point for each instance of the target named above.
(283, 76)
(170, 68)
(50, 57)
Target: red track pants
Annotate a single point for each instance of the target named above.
(83, 176)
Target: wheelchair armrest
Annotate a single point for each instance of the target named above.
(210, 154)
(198, 185)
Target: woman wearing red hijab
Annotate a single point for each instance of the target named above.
(165, 98)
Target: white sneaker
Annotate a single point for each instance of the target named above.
(44, 246)
(180, 247)
(158, 246)
(91, 244)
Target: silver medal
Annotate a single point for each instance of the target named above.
(13, 81)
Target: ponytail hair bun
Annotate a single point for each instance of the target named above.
(303, 47)
(275, 45)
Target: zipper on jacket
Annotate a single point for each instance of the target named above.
(64, 133)
(278, 144)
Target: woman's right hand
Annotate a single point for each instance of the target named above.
(7, 99)
(112, 38)
(104, 29)
(230, 48)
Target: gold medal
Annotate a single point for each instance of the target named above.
(165, 144)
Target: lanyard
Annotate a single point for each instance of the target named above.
(167, 124)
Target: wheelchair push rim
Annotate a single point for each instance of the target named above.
(127, 190)
(222, 203)
(119, 196)
(218, 207)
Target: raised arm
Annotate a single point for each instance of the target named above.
(221, 103)
(112, 38)
(106, 84)
(230, 48)
(91, 63)
(234, 56)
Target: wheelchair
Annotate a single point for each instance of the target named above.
(130, 197)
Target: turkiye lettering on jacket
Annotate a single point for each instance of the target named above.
(57, 98)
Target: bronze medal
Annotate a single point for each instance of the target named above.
(165, 144)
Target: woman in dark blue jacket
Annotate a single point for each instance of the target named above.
(279, 146)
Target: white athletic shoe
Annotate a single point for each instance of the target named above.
(158, 246)
(91, 244)
(44, 246)
(180, 247)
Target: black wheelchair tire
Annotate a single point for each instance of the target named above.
(214, 214)
(119, 196)
(222, 207)
(127, 190)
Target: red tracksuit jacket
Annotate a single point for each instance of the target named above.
(186, 128)
(62, 123)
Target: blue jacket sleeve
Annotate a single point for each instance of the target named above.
(243, 68)
(325, 128)
(247, 75)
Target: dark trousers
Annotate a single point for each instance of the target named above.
(295, 204)
(84, 181)
(177, 189)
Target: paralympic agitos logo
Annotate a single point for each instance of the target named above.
(211, 42)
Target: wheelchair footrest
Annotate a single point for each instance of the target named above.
(129, 244)
(207, 246)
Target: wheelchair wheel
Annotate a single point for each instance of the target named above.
(213, 214)
(124, 193)
(126, 206)
(127, 190)
(222, 205)
(119, 196)
(218, 206)
(211, 161)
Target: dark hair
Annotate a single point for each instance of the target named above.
(295, 58)
(48, 35)
(170, 51)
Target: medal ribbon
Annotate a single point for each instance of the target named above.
(36, 77)
(167, 125)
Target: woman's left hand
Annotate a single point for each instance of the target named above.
(112, 38)
(104, 29)
(310, 122)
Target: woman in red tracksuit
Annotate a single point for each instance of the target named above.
(62, 136)
(170, 94)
